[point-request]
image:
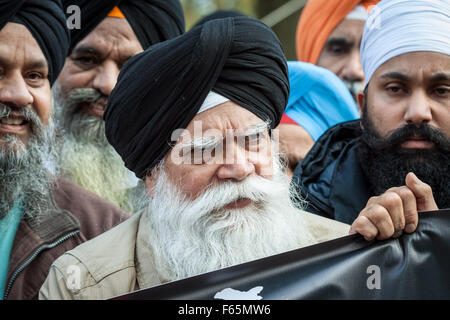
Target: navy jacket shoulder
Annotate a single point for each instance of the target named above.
(330, 177)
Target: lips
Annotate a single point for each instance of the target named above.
(96, 108)
(416, 142)
(14, 124)
(239, 204)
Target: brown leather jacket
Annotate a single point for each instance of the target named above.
(80, 217)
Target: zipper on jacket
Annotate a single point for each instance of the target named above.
(32, 257)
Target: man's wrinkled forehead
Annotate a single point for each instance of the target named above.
(18, 46)
(112, 33)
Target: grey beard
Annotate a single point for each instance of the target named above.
(24, 169)
(83, 127)
(86, 157)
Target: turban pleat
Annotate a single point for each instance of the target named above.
(162, 89)
(397, 27)
(46, 22)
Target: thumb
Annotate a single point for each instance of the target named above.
(422, 192)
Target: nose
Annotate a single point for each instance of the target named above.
(353, 70)
(106, 78)
(236, 166)
(14, 91)
(419, 109)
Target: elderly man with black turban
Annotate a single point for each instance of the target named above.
(111, 32)
(41, 216)
(192, 117)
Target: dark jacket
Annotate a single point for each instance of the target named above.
(80, 216)
(330, 177)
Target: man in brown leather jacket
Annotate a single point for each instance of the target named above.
(41, 216)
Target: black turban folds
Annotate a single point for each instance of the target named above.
(162, 89)
(47, 24)
(152, 21)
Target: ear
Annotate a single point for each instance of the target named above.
(361, 96)
(361, 101)
(150, 182)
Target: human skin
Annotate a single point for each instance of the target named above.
(96, 60)
(340, 53)
(23, 80)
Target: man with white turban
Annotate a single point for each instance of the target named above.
(405, 126)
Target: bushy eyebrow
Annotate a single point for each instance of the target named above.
(256, 129)
(440, 76)
(212, 142)
(339, 42)
(395, 75)
(86, 50)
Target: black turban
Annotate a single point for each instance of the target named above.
(152, 21)
(46, 22)
(162, 89)
(220, 14)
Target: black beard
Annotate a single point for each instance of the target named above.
(386, 164)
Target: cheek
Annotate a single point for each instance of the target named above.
(332, 63)
(442, 118)
(385, 115)
(263, 161)
(43, 104)
(190, 179)
(72, 77)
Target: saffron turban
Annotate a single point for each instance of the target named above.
(163, 88)
(152, 21)
(318, 19)
(47, 24)
(318, 99)
(397, 27)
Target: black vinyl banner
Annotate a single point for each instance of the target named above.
(413, 266)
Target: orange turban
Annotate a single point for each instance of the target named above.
(318, 20)
(116, 13)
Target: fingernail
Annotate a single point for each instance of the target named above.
(410, 228)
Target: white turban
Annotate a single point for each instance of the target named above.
(396, 27)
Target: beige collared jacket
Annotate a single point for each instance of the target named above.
(121, 261)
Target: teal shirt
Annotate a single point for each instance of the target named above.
(8, 229)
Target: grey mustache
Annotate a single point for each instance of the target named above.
(27, 114)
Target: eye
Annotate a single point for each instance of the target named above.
(441, 91)
(35, 78)
(338, 49)
(396, 89)
(85, 61)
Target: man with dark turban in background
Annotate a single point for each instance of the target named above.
(40, 216)
(111, 32)
(192, 116)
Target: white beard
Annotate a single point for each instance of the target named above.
(194, 237)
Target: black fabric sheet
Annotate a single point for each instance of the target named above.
(46, 22)
(152, 21)
(413, 266)
(162, 89)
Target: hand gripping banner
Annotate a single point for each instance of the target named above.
(413, 266)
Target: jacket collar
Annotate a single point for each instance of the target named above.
(32, 234)
(146, 272)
